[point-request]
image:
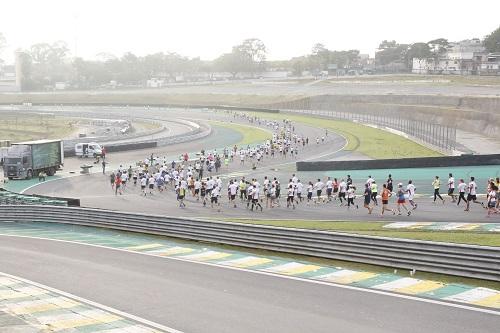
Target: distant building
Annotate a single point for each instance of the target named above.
(464, 58)
(8, 79)
(490, 64)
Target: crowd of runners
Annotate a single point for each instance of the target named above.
(197, 179)
(256, 194)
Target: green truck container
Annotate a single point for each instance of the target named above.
(27, 159)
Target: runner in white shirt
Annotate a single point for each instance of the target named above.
(210, 185)
(451, 188)
(310, 188)
(342, 191)
(249, 195)
(410, 189)
(319, 189)
(492, 199)
(197, 187)
(290, 196)
(351, 195)
(144, 181)
(462, 187)
(233, 190)
(329, 189)
(472, 196)
(255, 198)
(151, 183)
(214, 197)
(300, 187)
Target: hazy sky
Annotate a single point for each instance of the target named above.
(209, 28)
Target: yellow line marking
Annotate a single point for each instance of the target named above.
(73, 319)
(82, 321)
(419, 225)
(21, 293)
(144, 247)
(293, 268)
(351, 278)
(209, 255)
(491, 301)
(246, 262)
(42, 305)
(421, 287)
(304, 269)
(469, 226)
(172, 251)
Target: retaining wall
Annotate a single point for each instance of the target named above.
(425, 162)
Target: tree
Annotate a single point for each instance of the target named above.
(255, 51)
(234, 62)
(320, 57)
(419, 51)
(492, 41)
(391, 53)
(387, 44)
(26, 71)
(3, 44)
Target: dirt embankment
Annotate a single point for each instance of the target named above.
(470, 113)
(475, 114)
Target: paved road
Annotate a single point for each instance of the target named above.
(198, 298)
(94, 190)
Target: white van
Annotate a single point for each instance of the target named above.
(88, 149)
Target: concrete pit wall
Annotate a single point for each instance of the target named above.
(426, 162)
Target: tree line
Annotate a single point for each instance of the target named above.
(43, 64)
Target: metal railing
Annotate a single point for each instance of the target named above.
(432, 133)
(455, 259)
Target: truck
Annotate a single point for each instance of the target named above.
(88, 149)
(4, 147)
(27, 159)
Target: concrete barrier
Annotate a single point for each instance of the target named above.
(119, 147)
(425, 162)
(456, 259)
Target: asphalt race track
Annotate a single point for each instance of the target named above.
(94, 190)
(194, 297)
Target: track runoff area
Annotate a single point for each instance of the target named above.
(257, 180)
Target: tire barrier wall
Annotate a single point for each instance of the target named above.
(12, 198)
(424, 162)
(455, 259)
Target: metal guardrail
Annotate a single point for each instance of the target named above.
(454, 259)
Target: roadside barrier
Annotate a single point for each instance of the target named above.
(481, 262)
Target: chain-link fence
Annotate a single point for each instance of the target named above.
(440, 137)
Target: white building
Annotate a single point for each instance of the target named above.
(463, 58)
(490, 64)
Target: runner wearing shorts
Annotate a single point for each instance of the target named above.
(401, 200)
(386, 194)
(451, 188)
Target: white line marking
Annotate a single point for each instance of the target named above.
(331, 284)
(473, 295)
(397, 284)
(49, 181)
(91, 303)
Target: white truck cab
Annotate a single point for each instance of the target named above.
(91, 149)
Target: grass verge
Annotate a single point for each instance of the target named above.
(376, 229)
(18, 128)
(362, 226)
(250, 135)
(372, 142)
